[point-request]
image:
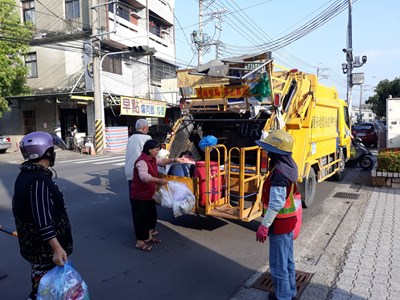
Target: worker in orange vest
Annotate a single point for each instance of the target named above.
(280, 217)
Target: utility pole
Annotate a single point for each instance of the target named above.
(349, 55)
(200, 45)
(359, 108)
(98, 97)
(147, 43)
(347, 67)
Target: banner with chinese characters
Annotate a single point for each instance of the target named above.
(142, 107)
(215, 92)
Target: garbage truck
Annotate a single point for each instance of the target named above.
(240, 100)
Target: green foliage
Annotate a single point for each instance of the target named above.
(383, 90)
(389, 160)
(14, 44)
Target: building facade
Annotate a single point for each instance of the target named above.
(61, 62)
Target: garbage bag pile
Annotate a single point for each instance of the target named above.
(176, 195)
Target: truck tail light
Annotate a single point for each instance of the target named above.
(264, 161)
(277, 100)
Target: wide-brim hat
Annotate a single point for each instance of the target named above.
(269, 148)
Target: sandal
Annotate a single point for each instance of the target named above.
(154, 232)
(144, 247)
(153, 240)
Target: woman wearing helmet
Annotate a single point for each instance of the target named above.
(280, 217)
(42, 223)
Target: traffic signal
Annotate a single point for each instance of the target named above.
(141, 50)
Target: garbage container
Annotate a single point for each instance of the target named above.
(215, 184)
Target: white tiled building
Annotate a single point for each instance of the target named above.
(61, 54)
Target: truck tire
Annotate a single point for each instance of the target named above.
(307, 189)
(339, 174)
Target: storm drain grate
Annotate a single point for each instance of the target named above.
(346, 195)
(264, 283)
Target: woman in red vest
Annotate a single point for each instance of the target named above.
(143, 187)
(280, 217)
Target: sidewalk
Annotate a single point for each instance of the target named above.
(371, 268)
(361, 259)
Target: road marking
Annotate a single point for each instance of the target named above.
(82, 160)
(120, 164)
(109, 161)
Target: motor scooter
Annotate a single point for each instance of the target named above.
(362, 156)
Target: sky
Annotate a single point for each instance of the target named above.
(247, 23)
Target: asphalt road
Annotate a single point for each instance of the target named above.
(199, 258)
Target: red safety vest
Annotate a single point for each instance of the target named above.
(289, 209)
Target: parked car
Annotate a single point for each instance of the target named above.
(5, 143)
(368, 132)
(381, 124)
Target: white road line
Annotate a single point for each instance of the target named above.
(82, 160)
(109, 161)
(120, 164)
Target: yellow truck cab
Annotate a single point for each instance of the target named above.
(238, 101)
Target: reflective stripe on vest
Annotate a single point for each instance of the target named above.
(289, 209)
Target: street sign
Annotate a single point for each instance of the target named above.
(357, 78)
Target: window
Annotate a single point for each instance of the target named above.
(31, 63)
(112, 65)
(122, 11)
(29, 121)
(28, 8)
(161, 70)
(72, 10)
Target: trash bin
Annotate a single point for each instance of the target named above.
(215, 184)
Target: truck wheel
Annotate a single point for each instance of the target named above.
(307, 189)
(339, 174)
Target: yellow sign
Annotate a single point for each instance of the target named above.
(142, 107)
(217, 92)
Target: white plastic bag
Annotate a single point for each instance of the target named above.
(176, 195)
(163, 197)
(183, 199)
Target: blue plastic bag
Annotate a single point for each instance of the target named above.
(62, 283)
(207, 141)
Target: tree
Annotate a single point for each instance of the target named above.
(383, 90)
(14, 44)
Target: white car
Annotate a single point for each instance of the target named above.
(5, 143)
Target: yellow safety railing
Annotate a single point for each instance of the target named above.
(239, 186)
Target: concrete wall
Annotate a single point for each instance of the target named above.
(58, 70)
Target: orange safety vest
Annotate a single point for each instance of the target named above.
(289, 209)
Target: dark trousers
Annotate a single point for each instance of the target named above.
(37, 272)
(144, 214)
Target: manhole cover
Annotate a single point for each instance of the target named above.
(264, 283)
(346, 195)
